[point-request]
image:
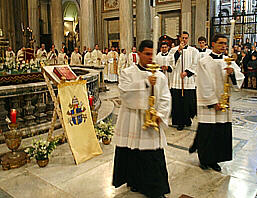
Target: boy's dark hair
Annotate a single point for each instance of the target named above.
(164, 43)
(217, 36)
(201, 38)
(185, 32)
(122, 50)
(144, 44)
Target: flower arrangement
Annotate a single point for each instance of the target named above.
(41, 149)
(104, 130)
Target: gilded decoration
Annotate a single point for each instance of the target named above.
(111, 5)
(164, 1)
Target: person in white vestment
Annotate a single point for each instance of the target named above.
(97, 56)
(123, 61)
(62, 57)
(75, 57)
(203, 47)
(139, 158)
(213, 140)
(183, 85)
(52, 56)
(104, 62)
(84, 53)
(164, 60)
(41, 53)
(88, 58)
(21, 54)
(10, 55)
(133, 57)
(113, 58)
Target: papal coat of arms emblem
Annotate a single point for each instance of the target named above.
(77, 112)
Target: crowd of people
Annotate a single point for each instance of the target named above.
(190, 82)
(139, 158)
(114, 60)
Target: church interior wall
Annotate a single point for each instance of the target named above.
(106, 21)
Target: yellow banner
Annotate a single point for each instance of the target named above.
(77, 120)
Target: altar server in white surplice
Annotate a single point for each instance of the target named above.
(203, 48)
(133, 57)
(123, 61)
(113, 58)
(139, 158)
(214, 134)
(97, 56)
(164, 60)
(183, 84)
(75, 57)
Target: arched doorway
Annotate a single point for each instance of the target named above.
(70, 18)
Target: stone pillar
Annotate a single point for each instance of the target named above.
(87, 35)
(34, 20)
(186, 15)
(200, 19)
(143, 21)
(44, 17)
(57, 23)
(126, 25)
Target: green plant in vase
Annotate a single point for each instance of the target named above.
(41, 150)
(104, 131)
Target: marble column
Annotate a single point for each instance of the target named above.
(87, 35)
(34, 20)
(44, 17)
(200, 19)
(143, 21)
(57, 23)
(186, 15)
(126, 25)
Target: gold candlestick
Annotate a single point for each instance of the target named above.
(151, 113)
(224, 99)
(15, 158)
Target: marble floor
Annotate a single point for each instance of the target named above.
(62, 178)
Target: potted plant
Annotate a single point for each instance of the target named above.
(104, 131)
(41, 150)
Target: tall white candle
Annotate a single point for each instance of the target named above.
(154, 3)
(155, 36)
(232, 29)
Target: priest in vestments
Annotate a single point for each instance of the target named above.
(10, 55)
(123, 61)
(104, 62)
(62, 57)
(113, 58)
(214, 134)
(52, 57)
(97, 56)
(88, 58)
(139, 158)
(41, 53)
(75, 57)
(183, 87)
(21, 55)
